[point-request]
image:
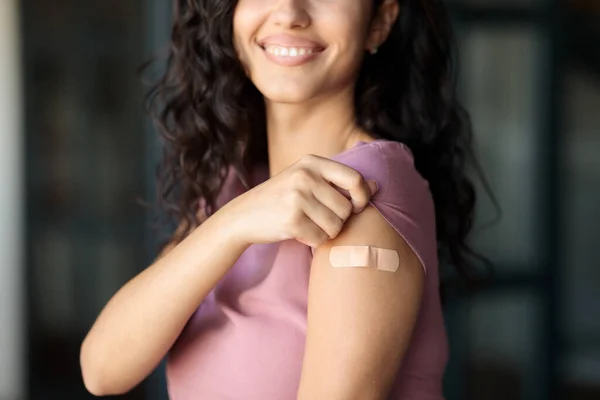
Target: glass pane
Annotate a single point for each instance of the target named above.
(581, 270)
(500, 84)
(503, 333)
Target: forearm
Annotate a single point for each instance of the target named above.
(144, 318)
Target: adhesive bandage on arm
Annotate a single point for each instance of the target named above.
(364, 256)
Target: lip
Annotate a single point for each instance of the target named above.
(290, 41)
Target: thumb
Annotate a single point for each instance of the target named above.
(373, 186)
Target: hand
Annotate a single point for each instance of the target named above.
(301, 203)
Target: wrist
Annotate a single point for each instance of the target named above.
(227, 223)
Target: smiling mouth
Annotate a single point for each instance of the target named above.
(288, 51)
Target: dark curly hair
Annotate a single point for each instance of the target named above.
(211, 117)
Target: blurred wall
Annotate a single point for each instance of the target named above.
(11, 272)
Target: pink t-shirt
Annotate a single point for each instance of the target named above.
(246, 341)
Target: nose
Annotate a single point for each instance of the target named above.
(291, 14)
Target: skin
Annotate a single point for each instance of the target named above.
(141, 322)
(310, 108)
(360, 320)
(310, 111)
(310, 118)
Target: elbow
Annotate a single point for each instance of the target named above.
(94, 385)
(98, 385)
(98, 377)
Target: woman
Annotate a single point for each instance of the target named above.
(294, 128)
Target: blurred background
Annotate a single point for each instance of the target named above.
(76, 151)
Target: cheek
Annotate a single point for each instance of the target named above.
(350, 36)
(347, 24)
(246, 20)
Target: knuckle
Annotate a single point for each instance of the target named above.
(336, 228)
(361, 203)
(347, 210)
(301, 177)
(356, 179)
(294, 198)
(339, 225)
(308, 158)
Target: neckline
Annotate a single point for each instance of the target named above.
(374, 142)
(358, 145)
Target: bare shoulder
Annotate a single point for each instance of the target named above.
(348, 307)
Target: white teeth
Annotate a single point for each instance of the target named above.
(288, 51)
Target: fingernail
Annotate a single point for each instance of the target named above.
(373, 186)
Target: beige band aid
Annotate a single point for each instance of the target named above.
(364, 256)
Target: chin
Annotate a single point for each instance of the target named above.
(286, 94)
(286, 98)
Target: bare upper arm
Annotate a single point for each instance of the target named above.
(360, 320)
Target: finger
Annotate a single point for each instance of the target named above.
(309, 233)
(347, 179)
(373, 186)
(331, 198)
(323, 217)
